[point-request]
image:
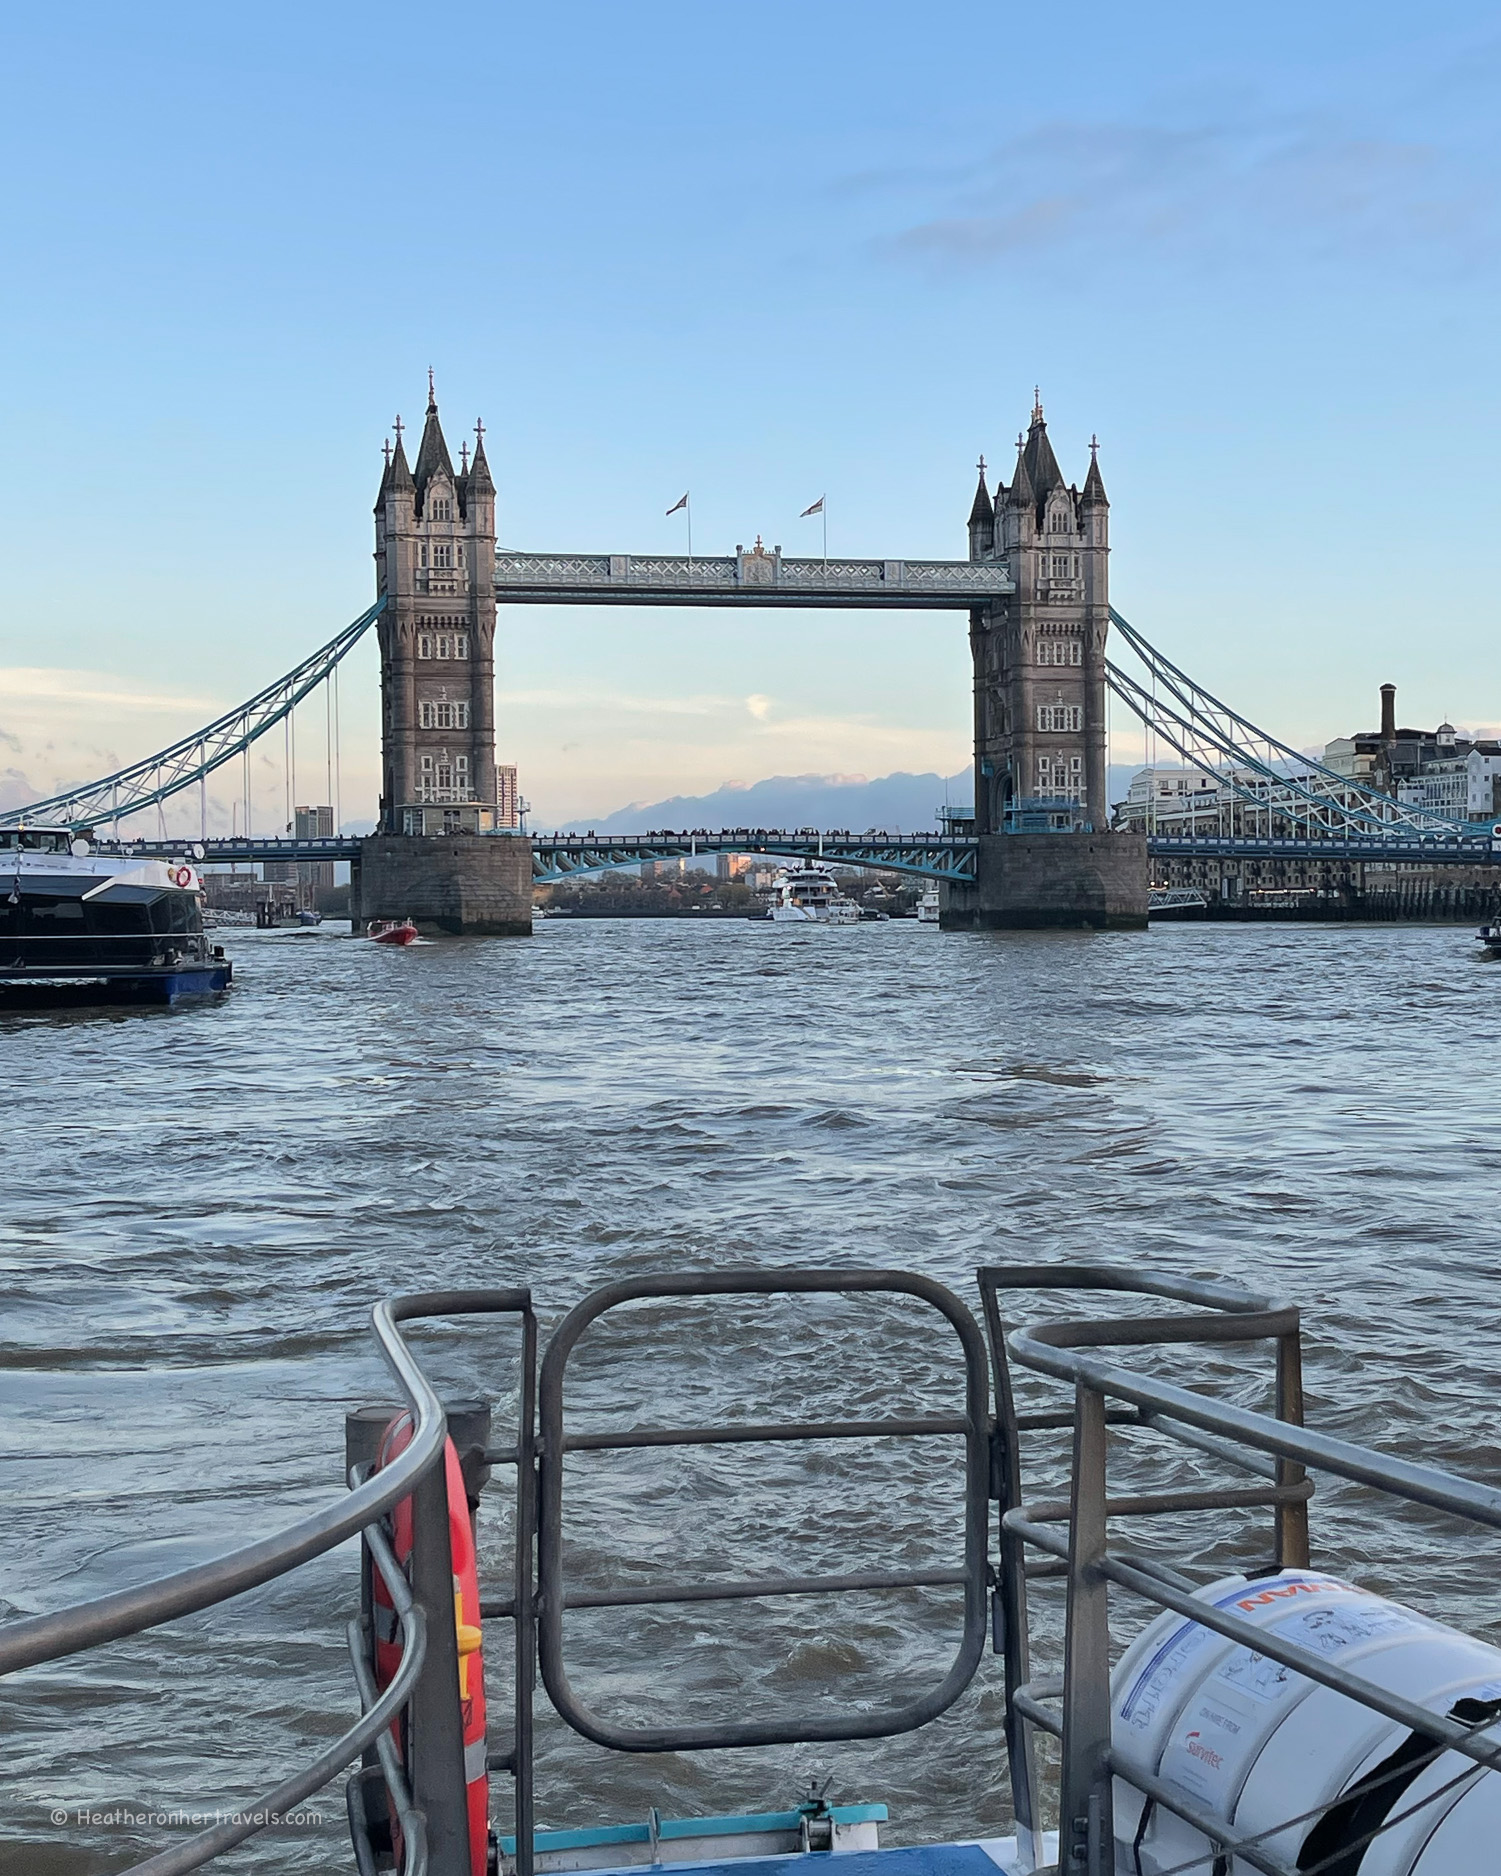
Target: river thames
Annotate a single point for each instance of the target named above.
(201, 1207)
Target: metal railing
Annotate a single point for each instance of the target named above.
(1074, 1532)
(414, 1763)
(407, 1735)
(63, 1632)
(972, 1575)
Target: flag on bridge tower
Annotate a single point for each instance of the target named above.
(687, 508)
(817, 508)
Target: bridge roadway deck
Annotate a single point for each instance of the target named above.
(744, 579)
(928, 855)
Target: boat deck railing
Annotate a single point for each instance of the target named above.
(52, 1637)
(1027, 1540)
(1073, 1531)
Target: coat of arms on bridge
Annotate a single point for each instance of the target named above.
(759, 568)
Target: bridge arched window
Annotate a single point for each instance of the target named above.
(424, 645)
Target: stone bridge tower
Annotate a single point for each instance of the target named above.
(1039, 657)
(435, 564)
(444, 856)
(1039, 700)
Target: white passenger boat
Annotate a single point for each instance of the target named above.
(84, 924)
(927, 907)
(1216, 1697)
(809, 895)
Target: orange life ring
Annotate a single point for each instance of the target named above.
(467, 1630)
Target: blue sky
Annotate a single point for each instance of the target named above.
(762, 252)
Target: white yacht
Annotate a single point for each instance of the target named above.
(809, 895)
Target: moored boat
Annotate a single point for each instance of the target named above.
(82, 924)
(1490, 937)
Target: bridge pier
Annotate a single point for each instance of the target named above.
(1030, 882)
(474, 885)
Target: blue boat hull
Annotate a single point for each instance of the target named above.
(52, 989)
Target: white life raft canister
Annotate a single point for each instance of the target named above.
(1252, 1743)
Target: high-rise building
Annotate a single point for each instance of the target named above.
(314, 824)
(435, 567)
(507, 796)
(1039, 655)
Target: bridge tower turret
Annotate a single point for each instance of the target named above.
(1039, 702)
(981, 521)
(1039, 656)
(435, 566)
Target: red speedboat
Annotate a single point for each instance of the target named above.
(392, 931)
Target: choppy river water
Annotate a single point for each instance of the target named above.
(200, 1207)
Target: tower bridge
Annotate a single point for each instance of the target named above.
(1034, 586)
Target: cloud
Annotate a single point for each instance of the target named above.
(1239, 192)
(759, 706)
(618, 702)
(15, 789)
(39, 685)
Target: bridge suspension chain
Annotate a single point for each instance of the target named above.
(194, 758)
(1254, 765)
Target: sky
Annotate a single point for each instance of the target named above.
(763, 253)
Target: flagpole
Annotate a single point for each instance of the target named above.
(686, 504)
(823, 513)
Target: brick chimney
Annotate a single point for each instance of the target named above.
(1388, 713)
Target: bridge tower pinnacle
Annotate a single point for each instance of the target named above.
(1039, 655)
(435, 567)
(1045, 854)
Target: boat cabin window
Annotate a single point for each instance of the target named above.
(34, 840)
(42, 914)
(119, 918)
(173, 912)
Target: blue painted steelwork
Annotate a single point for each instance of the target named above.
(190, 761)
(1255, 767)
(925, 856)
(254, 851)
(1386, 849)
(756, 579)
(1332, 816)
